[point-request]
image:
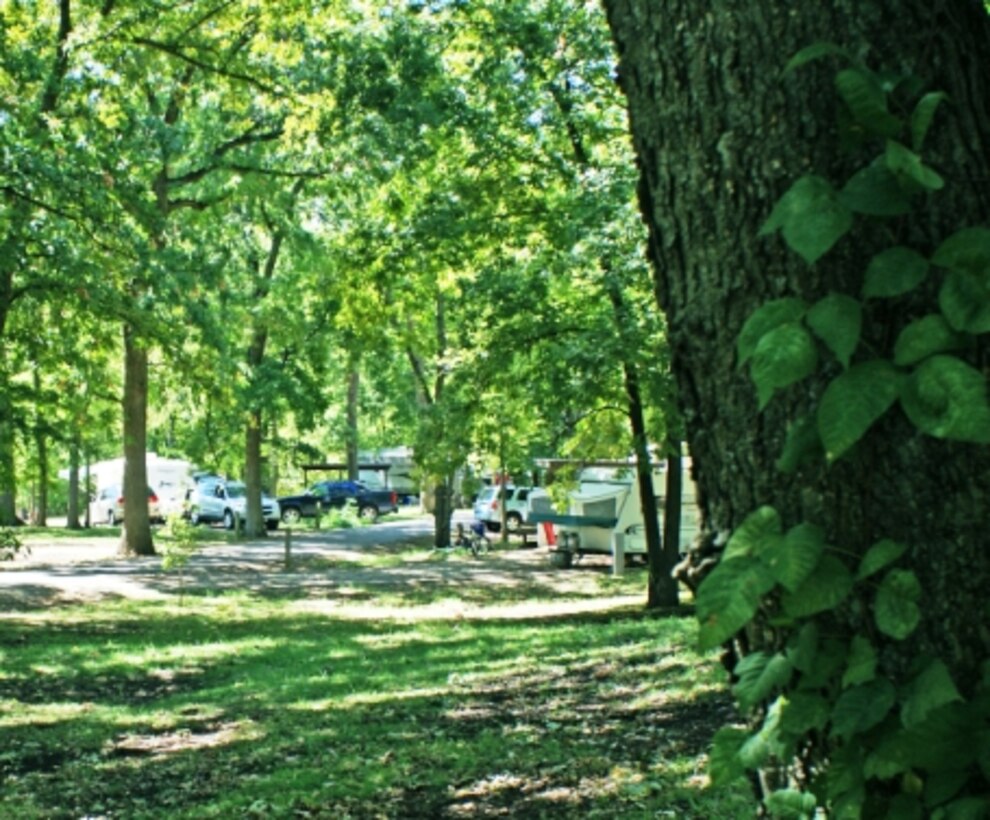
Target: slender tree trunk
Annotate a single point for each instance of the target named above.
(72, 517)
(254, 526)
(673, 499)
(353, 395)
(41, 453)
(719, 136)
(136, 538)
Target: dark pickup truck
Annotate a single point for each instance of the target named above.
(324, 495)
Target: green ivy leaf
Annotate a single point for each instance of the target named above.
(862, 665)
(925, 337)
(830, 659)
(896, 608)
(765, 318)
(767, 742)
(814, 52)
(805, 712)
(790, 803)
(967, 250)
(783, 356)
(875, 191)
(867, 101)
(932, 689)
(728, 599)
(904, 807)
(894, 272)
(801, 446)
(759, 675)
(760, 526)
(965, 301)
(802, 648)
(862, 707)
(922, 116)
(793, 558)
(946, 398)
(853, 401)
(882, 554)
(810, 217)
(907, 166)
(724, 765)
(837, 320)
(826, 587)
(845, 773)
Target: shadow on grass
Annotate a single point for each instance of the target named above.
(240, 708)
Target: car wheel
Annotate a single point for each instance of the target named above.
(228, 520)
(290, 515)
(369, 513)
(513, 522)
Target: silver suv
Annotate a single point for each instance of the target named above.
(215, 500)
(487, 507)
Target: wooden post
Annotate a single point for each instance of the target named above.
(288, 548)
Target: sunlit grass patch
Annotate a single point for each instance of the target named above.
(236, 705)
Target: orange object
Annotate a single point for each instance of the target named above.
(550, 533)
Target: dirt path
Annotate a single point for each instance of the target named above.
(362, 570)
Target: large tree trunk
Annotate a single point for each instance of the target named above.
(720, 135)
(136, 537)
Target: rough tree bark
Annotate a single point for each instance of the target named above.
(719, 136)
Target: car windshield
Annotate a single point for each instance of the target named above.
(235, 491)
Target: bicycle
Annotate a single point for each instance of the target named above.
(475, 538)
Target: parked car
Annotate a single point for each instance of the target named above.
(215, 500)
(108, 506)
(324, 495)
(487, 507)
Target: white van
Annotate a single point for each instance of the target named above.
(215, 500)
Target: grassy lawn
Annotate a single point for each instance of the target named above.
(242, 705)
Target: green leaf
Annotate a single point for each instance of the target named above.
(922, 116)
(767, 742)
(805, 712)
(802, 648)
(824, 589)
(845, 772)
(907, 166)
(925, 337)
(967, 808)
(964, 300)
(765, 318)
(862, 707)
(759, 675)
(783, 356)
(853, 401)
(814, 52)
(790, 803)
(946, 398)
(724, 764)
(932, 689)
(896, 610)
(867, 101)
(830, 659)
(810, 217)
(882, 554)
(793, 558)
(894, 272)
(801, 446)
(967, 250)
(728, 599)
(904, 807)
(837, 320)
(875, 191)
(760, 526)
(862, 665)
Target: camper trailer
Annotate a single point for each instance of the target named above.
(604, 515)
